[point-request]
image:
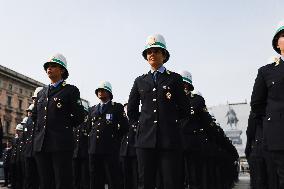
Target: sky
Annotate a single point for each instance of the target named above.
(221, 42)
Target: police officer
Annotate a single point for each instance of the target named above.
(17, 160)
(80, 155)
(31, 174)
(193, 134)
(108, 124)
(58, 109)
(6, 163)
(128, 157)
(163, 104)
(267, 103)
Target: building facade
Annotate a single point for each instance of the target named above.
(15, 97)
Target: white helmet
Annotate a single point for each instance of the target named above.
(24, 121)
(156, 40)
(37, 91)
(58, 59)
(19, 127)
(187, 77)
(105, 85)
(279, 28)
(30, 108)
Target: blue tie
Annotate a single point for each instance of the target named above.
(155, 76)
(102, 108)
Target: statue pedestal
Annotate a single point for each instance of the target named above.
(234, 135)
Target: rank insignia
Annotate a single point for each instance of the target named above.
(168, 72)
(164, 87)
(168, 95)
(59, 105)
(63, 83)
(55, 99)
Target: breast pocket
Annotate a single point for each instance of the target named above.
(275, 87)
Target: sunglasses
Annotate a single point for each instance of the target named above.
(153, 50)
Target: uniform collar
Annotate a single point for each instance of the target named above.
(161, 69)
(101, 103)
(56, 84)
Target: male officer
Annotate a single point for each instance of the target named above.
(193, 134)
(6, 164)
(80, 155)
(163, 104)
(128, 157)
(57, 110)
(267, 103)
(108, 124)
(31, 174)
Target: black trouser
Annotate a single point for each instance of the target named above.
(102, 166)
(130, 174)
(278, 160)
(193, 166)
(55, 169)
(31, 174)
(258, 172)
(6, 175)
(81, 173)
(166, 162)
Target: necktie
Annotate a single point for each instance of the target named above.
(102, 109)
(155, 76)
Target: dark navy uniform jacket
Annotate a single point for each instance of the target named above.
(127, 148)
(194, 127)
(56, 112)
(28, 137)
(6, 157)
(163, 104)
(81, 140)
(107, 128)
(267, 102)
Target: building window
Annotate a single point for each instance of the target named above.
(20, 104)
(9, 100)
(21, 91)
(10, 87)
(7, 127)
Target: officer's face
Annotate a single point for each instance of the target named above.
(281, 43)
(155, 57)
(103, 95)
(54, 71)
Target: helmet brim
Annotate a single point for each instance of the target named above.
(144, 53)
(110, 94)
(64, 75)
